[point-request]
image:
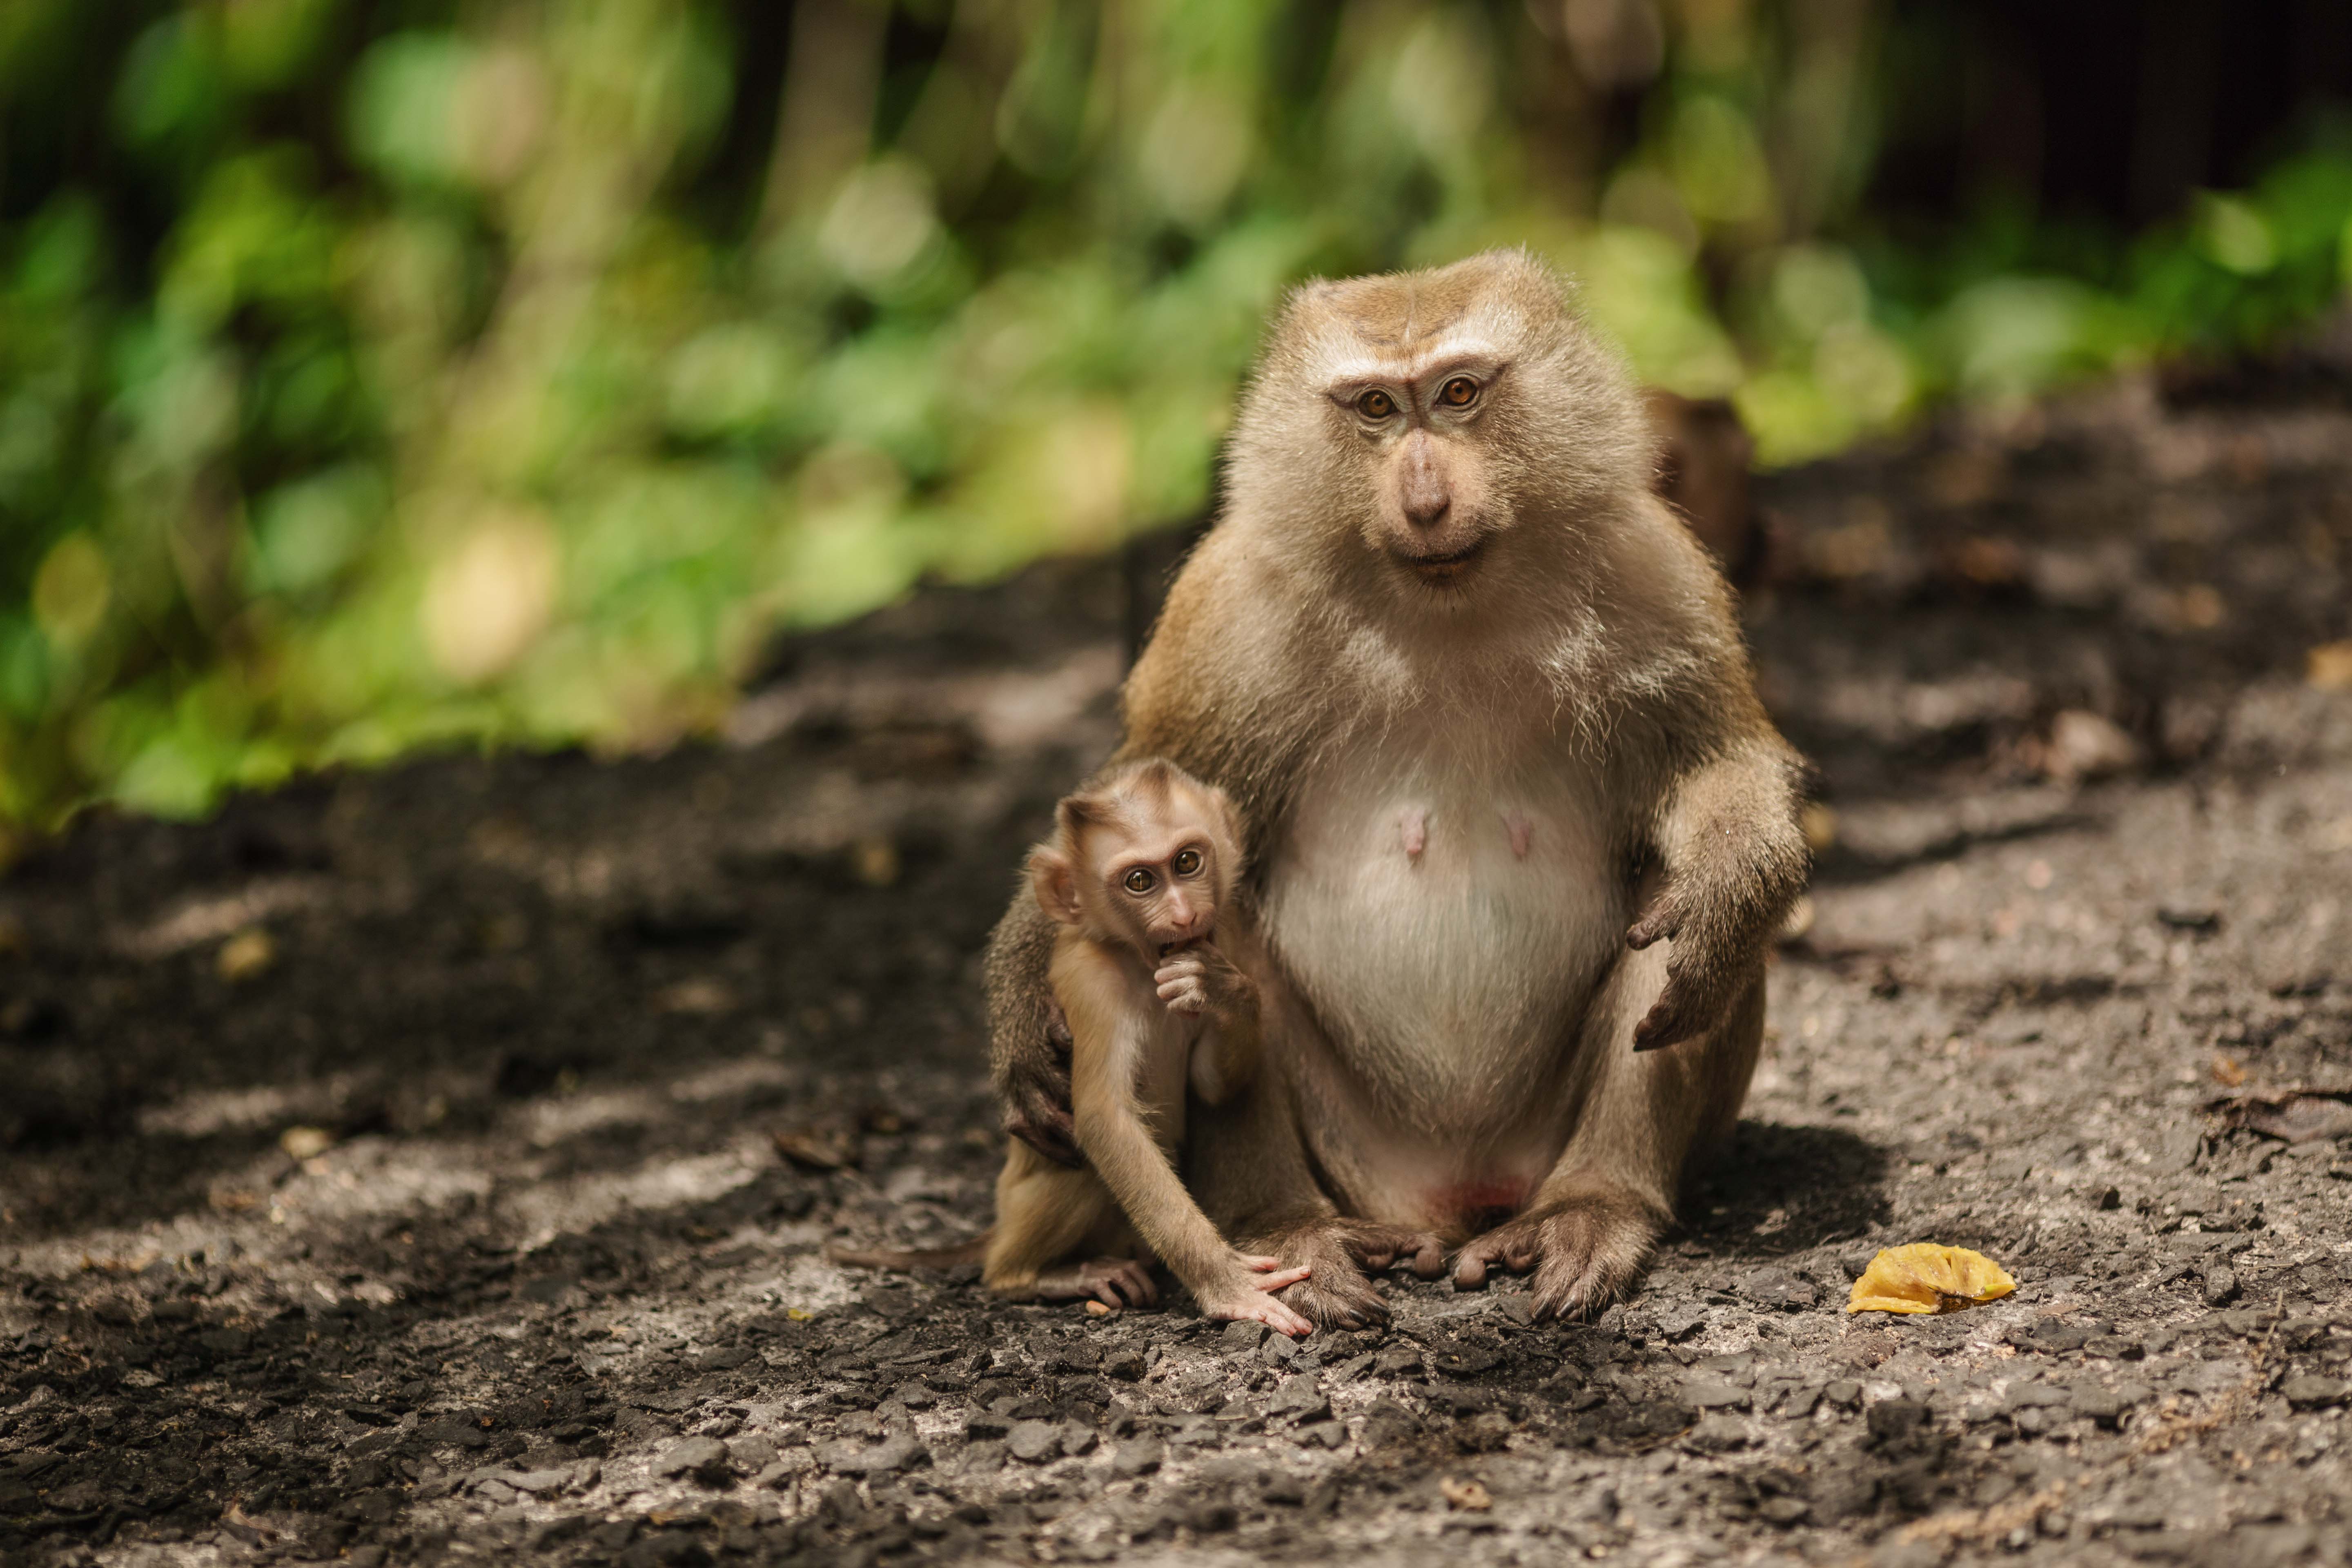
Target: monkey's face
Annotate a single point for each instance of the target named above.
(1159, 885)
(1449, 436)
(1418, 429)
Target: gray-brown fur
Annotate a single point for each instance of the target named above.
(1588, 629)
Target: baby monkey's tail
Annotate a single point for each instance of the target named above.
(961, 1256)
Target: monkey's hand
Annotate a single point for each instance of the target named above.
(1036, 1092)
(1585, 1251)
(1198, 979)
(1245, 1293)
(1699, 984)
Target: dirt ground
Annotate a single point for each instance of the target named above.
(435, 1164)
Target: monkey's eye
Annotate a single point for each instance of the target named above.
(1140, 880)
(1459, 392)
(1187, 862)
(1376, 405)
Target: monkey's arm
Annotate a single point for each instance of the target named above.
(1735, 859)
(1109, 1043)
(1029, 1040)
(1201, 982)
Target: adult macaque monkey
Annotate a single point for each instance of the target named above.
(1518, 819)
(1152, 966)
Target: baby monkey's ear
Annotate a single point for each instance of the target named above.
(1054, 882)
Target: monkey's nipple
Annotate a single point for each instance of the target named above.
(1414, 825)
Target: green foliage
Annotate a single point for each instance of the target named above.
(381, 376)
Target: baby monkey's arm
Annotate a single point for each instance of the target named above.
(1201, 982)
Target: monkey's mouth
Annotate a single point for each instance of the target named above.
(1442, 566)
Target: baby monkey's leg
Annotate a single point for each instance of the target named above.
(1046, 1215)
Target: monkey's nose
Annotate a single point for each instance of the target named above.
(1425, 498)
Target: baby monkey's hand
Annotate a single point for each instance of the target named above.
(1246, 1292)
(1197, 979)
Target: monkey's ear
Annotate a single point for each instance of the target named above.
(1055, 884)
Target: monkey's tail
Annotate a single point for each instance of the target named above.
(962, 1255)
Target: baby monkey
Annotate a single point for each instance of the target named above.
(1152, 966)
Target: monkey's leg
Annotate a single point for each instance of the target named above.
(1593, 1222)
(1045, 1216)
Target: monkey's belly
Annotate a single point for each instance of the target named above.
(1449, 935)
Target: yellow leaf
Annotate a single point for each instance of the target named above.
(1927, 1277)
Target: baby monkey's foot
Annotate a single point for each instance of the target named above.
(1244, 1297)
(1115, 1282)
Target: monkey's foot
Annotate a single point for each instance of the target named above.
(1114, 1282)
(1585, 1251)
(1338, 1295)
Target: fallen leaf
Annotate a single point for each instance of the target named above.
(700, 995)
(2083, 745)
(306, 1142)
(1096, 1309)
(246, 955)
(814, 1151)
(1928, 1278)
(2293, 1116)
(1465, 1494)
(2228, 1072)
(2328, 666)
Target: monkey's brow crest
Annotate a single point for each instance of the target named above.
(1148, 855)
(1445, 357)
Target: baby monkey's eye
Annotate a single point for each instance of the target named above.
(1376, 405)
(1187, 862)
(1140, 880)
(1459, 392)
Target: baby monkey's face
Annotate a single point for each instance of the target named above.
(1160, 884)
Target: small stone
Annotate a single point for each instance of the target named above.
(1323, 1435)
(1484, 1434)
(1718, 1434)
(2102, 1405)
(1800, 1402)
(694, 1455)
(1783, 1512)
(1035, 1442)
(2037, 1395)
(1844, 1393)
(752, 1454)
(1242, 1336)
(1398, 1361)
(2312, 1390)
(2220, 1284)
(1212, 1518)
(1077, 1439)
(1136, 1456)
(982, 1425)
(1126, 1365)
(1710, 1394)
(1678, 1323)
(1299, 1397)
(1891, 1418)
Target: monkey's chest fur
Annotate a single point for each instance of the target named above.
(1449, 915)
